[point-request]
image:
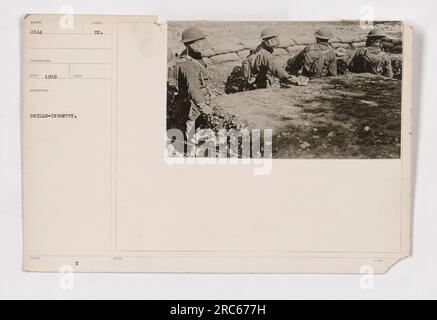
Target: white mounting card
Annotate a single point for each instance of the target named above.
(102, 194)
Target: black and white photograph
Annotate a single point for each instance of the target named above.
(305, 90)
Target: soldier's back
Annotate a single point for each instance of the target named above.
(260, 59)
(317, 59)
(371, 60)
(191, 73)
(190, 67)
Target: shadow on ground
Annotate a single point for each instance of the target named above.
(352, 116)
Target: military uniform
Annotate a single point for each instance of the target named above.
(373, 60)
(316, 60)
(263, 68)
(193, 90)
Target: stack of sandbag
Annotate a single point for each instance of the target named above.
(392, 45)
(225, 52)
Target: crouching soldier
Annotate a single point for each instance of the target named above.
(316, 60)
(191, 76)
(372, 58)
(260, 70)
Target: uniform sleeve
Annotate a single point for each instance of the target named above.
(388, 69)
(267, 61)
(297, 61)
(353, 65)
(189, 73)
(332, 67)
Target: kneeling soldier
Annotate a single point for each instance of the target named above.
(316, 60)
(261, 70)
(194, 91)
(372, 59)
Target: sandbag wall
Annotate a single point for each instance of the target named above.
(229, 52)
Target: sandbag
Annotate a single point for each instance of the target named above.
(305, 40)
(338, 45)
(358, 45)
(243, 54)
(397, 49)
(208, 53)
(225, 57)
(249, 44)
(279, 52)
(286, 42)
(397, 42)
(227, 48)
(347, 39)
(387, 45)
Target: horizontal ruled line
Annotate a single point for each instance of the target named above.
(32, 78)
(69, 63)
(69, 48)
(71, 34)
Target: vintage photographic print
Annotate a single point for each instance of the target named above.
(251, 108)
(285, 90)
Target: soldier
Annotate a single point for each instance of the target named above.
(260, 69)
(192, 80)
(316, 60)
(372, 59)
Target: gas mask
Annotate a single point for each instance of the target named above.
(272, 42)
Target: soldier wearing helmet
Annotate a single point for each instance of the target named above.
(191, 76)
(372, 58)
(316, 60)
(261, 69)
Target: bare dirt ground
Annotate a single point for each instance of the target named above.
(351, 116)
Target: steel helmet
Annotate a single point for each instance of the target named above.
(324, 33)
(192, 34)
(376, 33)
(269, 33)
